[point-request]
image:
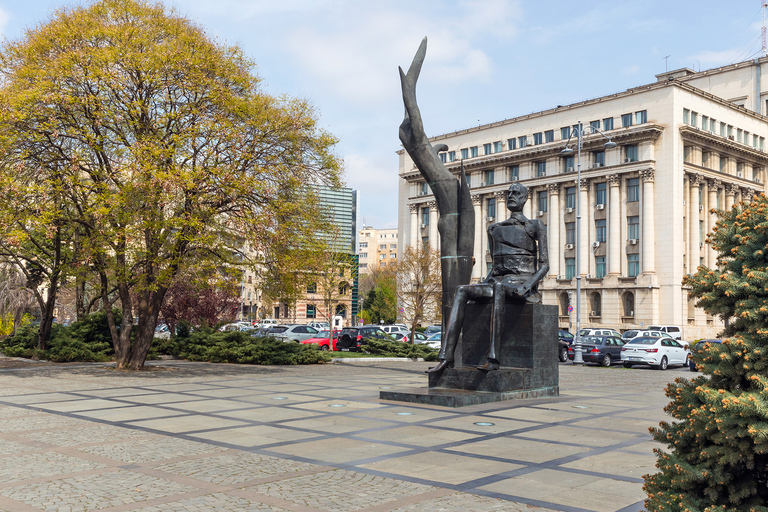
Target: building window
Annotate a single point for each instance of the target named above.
(312, 287)
(473, 151)
(738, 134)
(425, 241)
(341, 310)
(630, 153)
(595, 125)
(565, 301)
(362, 255)
(469, 180)
(633, 265)
(464, 154)
(570, 232)
(565, 133)
(568, 164)
(363, 265)
(424, 189)
(600, 193)
(425, 216)
(628, 301)
(701, 231)
(522, 141)
(488, 177)
(311, 312)
(722, 129)
(511, 143)
(600, 230)
(514, 172)
(541, 169)
(537, 138)
(596, 303)
(600, 266)
(633, 227)
(704, 122)
(363, 245)
(487, 149)
(443, 158)
(626, 120)
(633, 190)
(641, 117)
(382, 256)
(686, 116)
(497, 146)
(542, 200)
(570, 268)
(598, 158)
(694, 119)
(549, 136)
(393, 246)
(492, 208)
(711, 125)
(382, 246)
(451, 156)
(570, 197)
(393, 256)
(608, 123)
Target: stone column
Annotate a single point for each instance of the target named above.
(483, 235)
(713, 186)
(553, 229)
(479, 266)
(703, 209)
(414, 224)
(693, 220)
(649, 227)
(501, 205)
(749, 194)
(614, 225)
(584, 227)
(730, 192)
(686, 227)
(433, 225)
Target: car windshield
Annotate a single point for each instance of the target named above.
(654, 328)
(592, 340)
(629, 334)
(277, 330)
(644, 341)
(324, 333)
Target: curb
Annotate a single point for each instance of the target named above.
(374, 359)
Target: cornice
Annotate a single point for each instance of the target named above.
(731, 146)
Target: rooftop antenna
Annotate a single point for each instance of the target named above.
(666, 60)
(763, 5)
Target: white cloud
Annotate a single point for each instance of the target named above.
(378, 183)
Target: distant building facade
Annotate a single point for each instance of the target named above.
(377, 247)
(688, 143)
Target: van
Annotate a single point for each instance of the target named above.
(673, 330)
(267, 322)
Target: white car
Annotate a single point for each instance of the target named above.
(433, 340)
(672, 330)
(395, 330)
(648, 333)
(599, 332)
(660, 353)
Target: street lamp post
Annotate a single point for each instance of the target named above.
(579, 129)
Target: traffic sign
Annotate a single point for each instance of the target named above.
(570, 309)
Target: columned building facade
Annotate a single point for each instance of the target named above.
(645, 205)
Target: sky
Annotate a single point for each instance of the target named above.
(487, 60)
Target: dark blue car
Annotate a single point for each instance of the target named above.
(694, 348)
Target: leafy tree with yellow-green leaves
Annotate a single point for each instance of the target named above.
(163, 148)
(717, 458)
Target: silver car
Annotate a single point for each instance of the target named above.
(293, 332)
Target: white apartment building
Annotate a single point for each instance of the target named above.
(688, 143)
(377, 247)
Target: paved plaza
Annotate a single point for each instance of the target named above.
(204, 437)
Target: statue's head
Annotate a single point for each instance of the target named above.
(517, 195)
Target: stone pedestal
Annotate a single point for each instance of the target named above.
(528, 358)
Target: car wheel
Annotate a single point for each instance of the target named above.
(663, 365)
(607, 360)
(563, 355)
(324, 348)
(687, 359)
(627, 365)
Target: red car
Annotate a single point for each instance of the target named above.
(322, 340)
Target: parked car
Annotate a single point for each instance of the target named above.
(236, 326)
(432, 329)
(324, 340)
(565, 336)
(697, 346)
(293, 332)
(648, 333)
(406, 337)
(352, 339)
(162, 332)
(320, 326)
(434, 340)
(267, 322)
(394, 329)
(604, 350)
(599, 332)
(660, 353)
(672, 330)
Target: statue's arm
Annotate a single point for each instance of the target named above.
(490, 246)
(543, 258)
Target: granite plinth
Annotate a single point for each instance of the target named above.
(461, 398)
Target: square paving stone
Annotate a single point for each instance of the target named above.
(270, 414)
(519, 449)
(445, 468)
(580, 435)
(468, 423)
(83, 404)
(15, 412)
(333, 424)
(462, 501)
(91, 433)
(616, 463)
(337, 450)
(340, 490)
(129, 413)
(147, 450)
(218, 501)
(23, 466)
(233, 468)
(93, 492)
(418, 436)
(536, 414)
(255, 436)
(187, 423)
(39, 422)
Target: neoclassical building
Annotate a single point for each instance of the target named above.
(686, 144)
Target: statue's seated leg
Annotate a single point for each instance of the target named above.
(501, 291)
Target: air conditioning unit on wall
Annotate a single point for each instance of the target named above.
(632, 241)
(569, 247)
(600, 207)
(595, 245)
(569, 210)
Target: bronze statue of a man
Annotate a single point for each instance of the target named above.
(520, 261)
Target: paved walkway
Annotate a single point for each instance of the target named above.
(202, 437)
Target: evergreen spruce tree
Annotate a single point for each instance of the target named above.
(717, 457)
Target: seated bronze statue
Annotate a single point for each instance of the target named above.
(519, 249)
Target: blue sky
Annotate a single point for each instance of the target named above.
(487, 60)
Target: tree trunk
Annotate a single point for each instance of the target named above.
(47, 311)
(80, 310)
(148, 309)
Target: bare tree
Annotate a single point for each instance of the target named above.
(419, 283)
(15, 297)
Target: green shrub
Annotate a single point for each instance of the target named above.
(399, 349)
(239, 347)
